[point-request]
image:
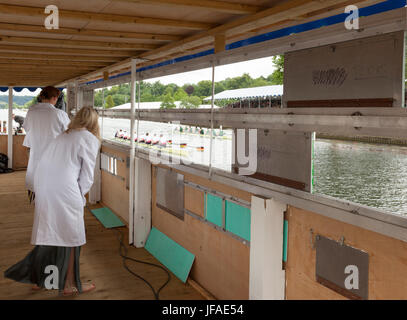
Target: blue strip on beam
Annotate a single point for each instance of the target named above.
(381, 7)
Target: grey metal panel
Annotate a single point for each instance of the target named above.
(170, 191)
(285, 154)
(332, 259)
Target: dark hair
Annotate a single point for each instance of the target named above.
(49, 92)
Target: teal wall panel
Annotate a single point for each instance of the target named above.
(238, 220)
(214, 209)
(285, 241)
(169, 253)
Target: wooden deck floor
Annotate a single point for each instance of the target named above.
(100, 260)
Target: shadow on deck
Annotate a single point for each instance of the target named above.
(100, 260)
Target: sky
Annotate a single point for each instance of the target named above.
(256, 68)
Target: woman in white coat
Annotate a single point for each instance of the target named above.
(63, 177)
(42, 124)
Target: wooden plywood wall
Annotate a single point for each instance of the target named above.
(115, 195)
(222, 263)
(387, 256)
(20, 155)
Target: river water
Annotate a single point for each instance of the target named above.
(369, 174)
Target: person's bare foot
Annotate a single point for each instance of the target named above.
(87, 287)
(36, 288)
(71, 291)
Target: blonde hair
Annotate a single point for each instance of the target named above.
(86, 118)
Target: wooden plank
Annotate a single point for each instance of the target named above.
(88, 32)
(387, 257)
(23, 62)
(211, 5)
(114, 192)
(277, 13)
(55, 57)
(194, 201)
(76, 51)
(342, 103)
(103, 17)
(76, 43)
(200, 289)
(220, 42)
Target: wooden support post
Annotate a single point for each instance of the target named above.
(267, 277)
(10, 128)
(220, 42)
(106, 75)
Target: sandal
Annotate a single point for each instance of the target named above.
(36, 288)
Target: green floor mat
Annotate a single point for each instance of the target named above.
(107, 218)
(169, 253)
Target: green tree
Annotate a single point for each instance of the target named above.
(30, 103)
(180, 94)
(109, 102)
(168, 102)
(277, 77)
(203, 88)
(190, 102)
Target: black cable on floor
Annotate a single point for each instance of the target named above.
(125, 257)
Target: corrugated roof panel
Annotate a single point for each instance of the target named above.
(247, 93)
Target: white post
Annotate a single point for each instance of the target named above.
(132, 151)
(267, 277)
(212, 105)
(142, 202)
(78, 96)
(10, 128)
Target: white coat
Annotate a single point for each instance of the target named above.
(63, 177)
(42, 124)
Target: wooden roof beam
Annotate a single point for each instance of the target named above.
(78, 51)
(274, 14)
(76, 43)
(56, 58)
(53, 63)
(104, 17)
(88, 32)
(212, 5)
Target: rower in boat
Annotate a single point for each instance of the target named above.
(118, 132)
(142, 138)
(148, 139)
(162, 141)
(155, 140)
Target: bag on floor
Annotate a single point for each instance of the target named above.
(4, 164)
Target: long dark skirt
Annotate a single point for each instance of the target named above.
(32, 269)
